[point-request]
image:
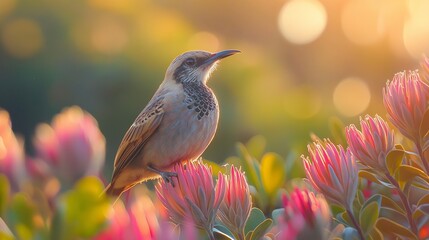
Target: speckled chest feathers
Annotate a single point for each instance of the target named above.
(200, 98)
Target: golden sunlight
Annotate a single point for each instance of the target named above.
(362, 22)
(22, 38)
(416, 29)
(351, 96)
(204, 40)
(302, 21)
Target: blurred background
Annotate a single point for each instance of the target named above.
(302, 61)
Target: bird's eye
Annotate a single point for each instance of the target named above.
(190, 62)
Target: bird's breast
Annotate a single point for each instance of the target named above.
(187, 128)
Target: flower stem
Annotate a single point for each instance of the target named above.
(405, 203)
(210, 234)
(422, 157)
(355, 223)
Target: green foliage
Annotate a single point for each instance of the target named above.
(82, 212)
(369, 214)
(257, 224)
(4, 194)
(21, 216)
(394, 159)
(337, 130)
(266, 172)
(390, 227)
(272, 173)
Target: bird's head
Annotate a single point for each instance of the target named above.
(195, 66)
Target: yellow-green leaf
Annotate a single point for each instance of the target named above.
(387, 226)
(370, 176)
(406, 173)
(4, 193)
(83, 212)
(256, 146)
(249, 166)
(256, 217)
(216, 168)
(260, 230)
(272, 173)
(388, 202)
(337, 130)
(368, 216)
(423, 200)
(394, 160)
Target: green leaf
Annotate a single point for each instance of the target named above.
(406, 173)
(256, 146)
(423, 200)
(422, 209)
(344, 218)
(4, 193)
(83, 213)
(368, 216)
(373, 177)
(337, 130)
(393, 214)
(21, 216)
(249, 164)
(272, 173)
(387, 226)
(256, 217)
(388, 202)
(260, 230)
(216, 168)
(375, 234)
(394, 160)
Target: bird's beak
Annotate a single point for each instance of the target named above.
(218, 56)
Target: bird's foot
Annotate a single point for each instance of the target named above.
(167, 176)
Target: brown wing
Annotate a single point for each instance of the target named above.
(138, 134)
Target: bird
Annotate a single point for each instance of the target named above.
(176, 126)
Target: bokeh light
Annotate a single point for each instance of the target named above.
(108, 36)
(204, 40)
(22, 38)
(416, 29)
(303, 103)
(351, 96)
(361, 21)
(6, 6)
(302, 21)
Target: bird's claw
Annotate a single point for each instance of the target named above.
(168, 177)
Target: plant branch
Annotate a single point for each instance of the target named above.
(405, 203)
(355, 223)
(422, 157)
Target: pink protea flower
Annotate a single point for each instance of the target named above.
(11, 152)
(237, 203)
(193, 195)
(137, 222)
(372, 144)
(307, 216)
(406, 100)
(72, 145)
(332, 171)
